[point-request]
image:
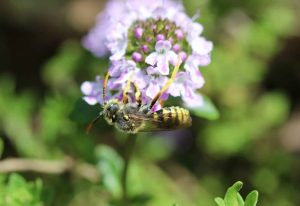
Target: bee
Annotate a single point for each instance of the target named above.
(135, 117)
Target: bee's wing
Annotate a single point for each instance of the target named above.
(168, 118)
(148, 123)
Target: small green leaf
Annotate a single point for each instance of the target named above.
(16, 191)
(208, 110)
(83, 112)
(252, 198)
(240, 199)
(237, 186)
(220, 201)
(110, 165)
(231, 196)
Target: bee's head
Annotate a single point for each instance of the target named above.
(110, 109)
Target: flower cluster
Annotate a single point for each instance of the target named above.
(145, 39)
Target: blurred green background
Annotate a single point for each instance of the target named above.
(254, 80)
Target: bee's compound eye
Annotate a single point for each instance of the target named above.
(113, 108)
(125, 117)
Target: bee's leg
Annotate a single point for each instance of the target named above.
(104, 87)
(169, 82)
(125, 97)
(162, 102)
(137, 94)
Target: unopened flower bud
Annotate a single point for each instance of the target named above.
(137, 57)
(176, 48)
(160, 37)
(138, 32)
(145, 48)
(183, 55)
(179, 34)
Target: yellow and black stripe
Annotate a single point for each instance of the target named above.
(172, 118)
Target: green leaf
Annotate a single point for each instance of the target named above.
(240, 199)
(83, 112)
(208, 110)
(18, 192)
(110, 165)
(252, 198)
(231, 196)
(220, 201)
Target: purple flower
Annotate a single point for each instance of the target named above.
(145, 40)
(161, 57)
(155, 85)
(185, 86)
(92, 92)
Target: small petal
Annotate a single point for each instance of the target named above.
(197, 78)
(195, 29)
(90, 100)
(156, 107)
(193, 100)
(162, 46)
(177, 87)
(151, 58)
(152, 90)
(121, 66)
(174, 90)
(152, 70)
(163, 65)
(140, 79)
(164, 96)
(86, 88)
(122, 79)
(173, 57)
(203, 60)
(201, 46)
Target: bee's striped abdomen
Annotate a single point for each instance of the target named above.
(183, 117)
(172, 118)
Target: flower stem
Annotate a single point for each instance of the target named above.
(128, 151)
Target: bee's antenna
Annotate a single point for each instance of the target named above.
(175, 70)
(104, 87)
(91, 124)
